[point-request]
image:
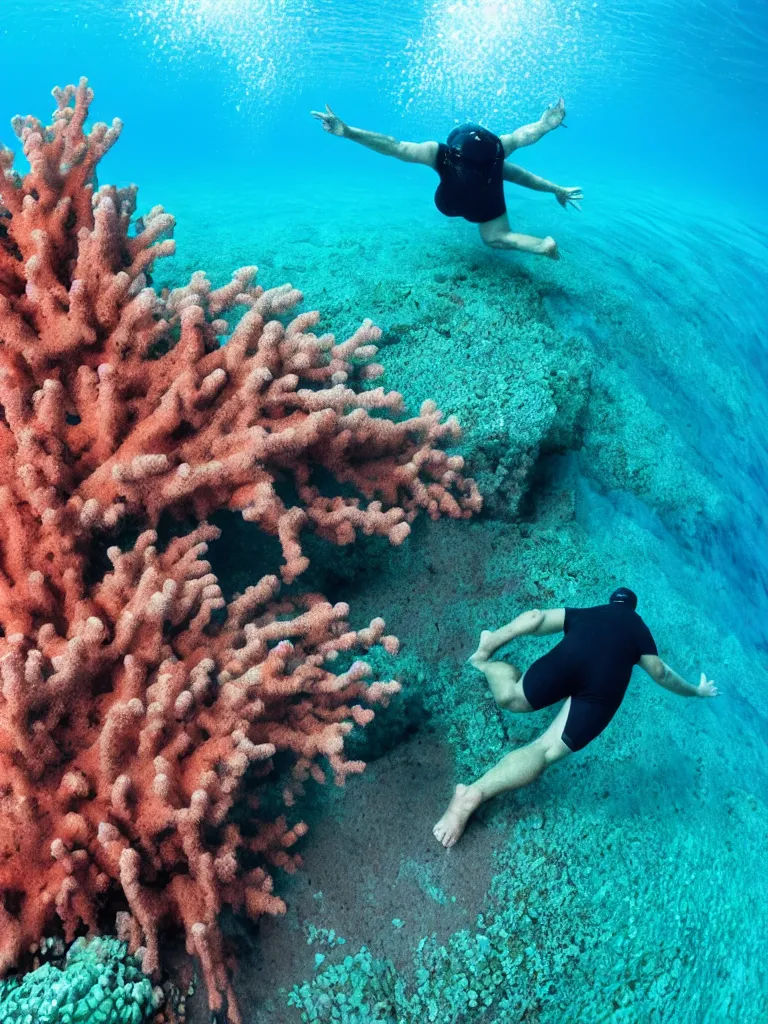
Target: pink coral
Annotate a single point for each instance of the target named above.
(135, 700)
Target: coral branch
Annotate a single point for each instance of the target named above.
(135, 701)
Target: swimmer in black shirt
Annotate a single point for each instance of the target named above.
(589, 669)
(473, 167)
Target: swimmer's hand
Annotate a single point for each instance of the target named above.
(706, 687)
(553, 116)
(564, 196)
(331, 124)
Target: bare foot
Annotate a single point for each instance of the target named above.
(484, 649)
(549, 248)
(451, 826)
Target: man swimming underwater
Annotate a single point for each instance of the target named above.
(589, 669)
(473, 167)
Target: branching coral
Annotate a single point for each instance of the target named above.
(135, 700)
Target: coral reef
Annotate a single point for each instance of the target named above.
(97, 981)
(134, 699)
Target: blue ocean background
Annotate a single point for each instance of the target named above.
(667, 95)
(616, 415)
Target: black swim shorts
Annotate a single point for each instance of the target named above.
(546, 683)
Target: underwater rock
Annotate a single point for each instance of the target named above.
(98, 981)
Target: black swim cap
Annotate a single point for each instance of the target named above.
(475, 144)
(624, 596)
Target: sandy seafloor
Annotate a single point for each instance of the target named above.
(615, 417)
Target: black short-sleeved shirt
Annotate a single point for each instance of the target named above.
(474, 192)
(600, 647)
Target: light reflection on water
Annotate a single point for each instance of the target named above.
(428, 54)
(493, 57)
(432, 53)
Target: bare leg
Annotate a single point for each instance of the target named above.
(492, 640)
(497, 234)
(504, 679)
(518, 769)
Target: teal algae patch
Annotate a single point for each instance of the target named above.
(567, 937)
(99, 983)
(323, 936)
(423, 876)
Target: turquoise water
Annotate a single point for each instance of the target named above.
(615, 417)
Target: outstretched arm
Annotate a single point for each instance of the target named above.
(563, 194)
(662, 674)
(387, 145)
(530, 133)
